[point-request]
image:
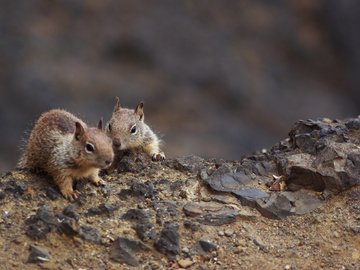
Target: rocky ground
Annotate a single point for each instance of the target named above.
(295, 206)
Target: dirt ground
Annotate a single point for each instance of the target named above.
(327, 238)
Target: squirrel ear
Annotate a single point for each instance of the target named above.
(100, 124)
(79, 131)
(139, 110)
(117, 105)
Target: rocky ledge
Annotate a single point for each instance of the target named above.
(295, 206)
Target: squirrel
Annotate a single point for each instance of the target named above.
(128, 131)
(64, 147)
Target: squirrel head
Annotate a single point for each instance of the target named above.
(126, 126)
(93, 146)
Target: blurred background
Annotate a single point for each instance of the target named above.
(218, 78)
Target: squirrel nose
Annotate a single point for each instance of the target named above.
(117, 144)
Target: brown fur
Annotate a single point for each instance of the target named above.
(57, 145)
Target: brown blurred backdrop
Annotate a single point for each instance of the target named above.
(219, 78)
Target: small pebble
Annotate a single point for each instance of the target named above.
(229, 232)
(185, 250)
(185, 263)
(221, 233)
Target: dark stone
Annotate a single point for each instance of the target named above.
(335, 168)
(281, 205)
(228, 182)
(165, 211)
(102, 209)
(38, 254)
(2, 195)
(192, 225)
(306, 143)
(69, 226)
(52, 193)
(136, 215)
(211, 213)
(90, 234)
(259, 165)
(207, 246)
(38, 230)
(14, 188)
(123, 250)
(145, 190)
(248, 196)
(353, 123)
(40, 224)
(44, 214)
(177, 185)
(169, 241)
(70, 211)
(131, 162)
(191, 163)
(145, 231)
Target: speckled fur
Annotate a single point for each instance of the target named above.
(120, 124)
(57, 147)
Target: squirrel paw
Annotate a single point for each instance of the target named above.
(158, 156)
(71, 195)
(97, 181)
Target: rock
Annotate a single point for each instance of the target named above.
(102, 209)
(52, 193)
(166, 211)
(353, 123)
(283, 204)
(335, 168)
(185, 263)
(228, 232)
(211, 213)
(192, 225)
(123, 250)
(15, 188)
(228, 182)
(70, 211)
(207, 246)
(191, 163)
(38, 254)
(131, 162)
(169, 240)
(145, 190)
(136, 215)
(145, 231)
(40, 224)
(69, 226)
(89, 234)
(249, 196)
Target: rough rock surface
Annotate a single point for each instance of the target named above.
(294, 206)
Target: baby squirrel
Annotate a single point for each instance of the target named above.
(63, 146)
(128, 131)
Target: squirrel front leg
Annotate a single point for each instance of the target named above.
(65, 185)
(154, 151)
(95, 179)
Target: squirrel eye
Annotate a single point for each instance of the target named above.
(109, 127)
(133, 129)
(89, 148)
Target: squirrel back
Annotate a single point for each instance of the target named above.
(129, 131)
(63, 146)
